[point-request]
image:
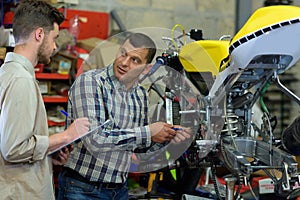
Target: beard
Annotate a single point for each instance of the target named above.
(43, 57)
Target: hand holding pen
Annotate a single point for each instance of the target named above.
(182, 134)
(163, 132)
(81, 124)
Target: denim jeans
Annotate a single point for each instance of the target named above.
(73, 189)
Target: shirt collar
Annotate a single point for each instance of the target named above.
(22, 60)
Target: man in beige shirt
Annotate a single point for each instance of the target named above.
(25, 166)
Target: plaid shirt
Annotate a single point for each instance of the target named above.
(105, 156)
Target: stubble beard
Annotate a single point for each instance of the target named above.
(43, 58)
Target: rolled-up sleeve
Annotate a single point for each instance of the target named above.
(20, 140)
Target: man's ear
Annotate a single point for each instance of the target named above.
(39, 34)
(147, 69)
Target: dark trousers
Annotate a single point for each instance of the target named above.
(72, 186)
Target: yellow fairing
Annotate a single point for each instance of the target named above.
(204, 55)
(267, 16)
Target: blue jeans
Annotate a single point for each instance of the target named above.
(73, 189)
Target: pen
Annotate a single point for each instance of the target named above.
(177, 129)
(66, 114)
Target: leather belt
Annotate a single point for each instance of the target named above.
(75, 175)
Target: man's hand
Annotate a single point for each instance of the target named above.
(182, 134)
(61, 157)
(79, 127)
(161, 132)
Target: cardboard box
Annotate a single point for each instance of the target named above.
(6, 37)
(101, 52)
(68, 1)
(51, 1)
(63, 63)
(44, 86)
(89, 44)
(2, 53)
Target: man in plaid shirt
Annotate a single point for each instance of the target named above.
(99, 164)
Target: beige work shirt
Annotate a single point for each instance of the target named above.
(25, 170)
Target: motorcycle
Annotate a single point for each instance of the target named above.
(226, 80)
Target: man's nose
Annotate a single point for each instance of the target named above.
(126, 60)
(55, 47)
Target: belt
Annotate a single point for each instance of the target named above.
(75, 175)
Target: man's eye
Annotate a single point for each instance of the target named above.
(136, 60)
(123, 53)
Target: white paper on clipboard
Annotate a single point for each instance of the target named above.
(81, 136)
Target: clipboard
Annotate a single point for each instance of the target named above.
(81, 136)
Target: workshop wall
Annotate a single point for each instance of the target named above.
(213, 17)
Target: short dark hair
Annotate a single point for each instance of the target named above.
(139, 40)
(31, 14)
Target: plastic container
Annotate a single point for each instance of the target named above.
(74, 27)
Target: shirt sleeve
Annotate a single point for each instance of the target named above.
(86, 100)
(19, 142)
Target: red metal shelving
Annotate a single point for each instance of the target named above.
(55, 99)
(52, 76)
